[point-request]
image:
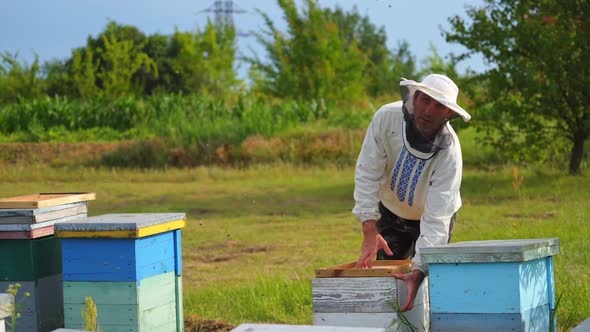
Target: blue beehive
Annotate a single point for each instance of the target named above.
(130, 265)
(501, 285)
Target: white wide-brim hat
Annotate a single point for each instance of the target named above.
(437, 86)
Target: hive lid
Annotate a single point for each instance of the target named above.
(43, 200)
(491, 251)
(124, 225)
(379, 269)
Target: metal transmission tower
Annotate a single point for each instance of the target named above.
(224, 13)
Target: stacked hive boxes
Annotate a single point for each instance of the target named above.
(502, 285)
(130, 265)
(30, 255)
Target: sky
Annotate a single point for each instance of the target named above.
(51, 29)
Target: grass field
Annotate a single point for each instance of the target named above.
(255, 236)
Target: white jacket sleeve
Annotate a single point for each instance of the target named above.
(442, 202)
(370, 170)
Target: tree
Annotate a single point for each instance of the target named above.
(403, 62)
(203, 62)
(19, 80)
(539, 85)
(372, 42)
(311, 60)
(121, 60)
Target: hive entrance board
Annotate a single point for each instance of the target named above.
(379, 269)
(43, 200)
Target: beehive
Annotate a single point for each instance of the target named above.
(130, 265)
(500, 285)
(345, 296)
(30, 256)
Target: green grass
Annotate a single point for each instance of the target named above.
(255, 235)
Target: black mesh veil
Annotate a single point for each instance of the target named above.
(416, 140)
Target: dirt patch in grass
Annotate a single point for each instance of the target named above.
(194, 323)
(540, 215)
(236, 254)
(55, 154)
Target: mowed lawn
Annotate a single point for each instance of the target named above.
(255, 236)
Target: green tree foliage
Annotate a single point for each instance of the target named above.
(121, 61)
(203, 62)
(18, 80)
(84, 69)
(403, 63)
(354, 28)
(540, 81)
(311, 60)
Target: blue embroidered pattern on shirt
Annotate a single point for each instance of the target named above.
(415, 181)
(397, 166)
(409, 163)
(402, 186)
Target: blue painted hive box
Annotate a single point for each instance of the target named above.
(121, 247)
(499, 285)
(130, 265)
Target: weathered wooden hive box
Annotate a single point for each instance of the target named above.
(30, 256)
(130, 264)
(345, 296)
(501, 285)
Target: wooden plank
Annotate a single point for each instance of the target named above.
(111, 314)
(390, 321)
(156, 291)
(178, 251)
(26, 260)
(118, 259)
(43, 200)
(98, 259)
(488, 288)
(154, 318)
(491, 251)
(104, 292)
(155, 255)
(52, 215)
(302, 328)
(179, 305)
(33, 212)
(379, 269)
(31, 227)
(122, 234)
(367, 294)
(536, 319)
(121, 222)
(22, 235)
(107, 327)
(49, 302)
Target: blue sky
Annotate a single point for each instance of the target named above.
(53, 28)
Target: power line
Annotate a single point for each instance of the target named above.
(224, 13)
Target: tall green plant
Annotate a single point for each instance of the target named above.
(312, 59)
(18, 80)
(121, 62)
(204, 62)
(84, 70)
